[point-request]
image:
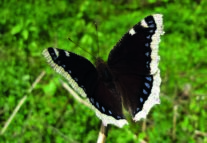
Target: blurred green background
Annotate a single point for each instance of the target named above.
(51, 114)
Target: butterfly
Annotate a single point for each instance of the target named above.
(129, 80)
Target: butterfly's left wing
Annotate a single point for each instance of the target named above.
(134, 61)
(84, 79)
(80, 73)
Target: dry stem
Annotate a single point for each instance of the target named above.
(21, 102)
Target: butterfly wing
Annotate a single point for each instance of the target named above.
(107, 105)
(134, 61)
(80, 73)
(83, 78)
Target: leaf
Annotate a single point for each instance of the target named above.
(50, 88)
(16, 29)
(25, 34)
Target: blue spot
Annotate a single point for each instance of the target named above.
(110, 112)
(147, 44)
(144, 91)
(92, 100)
(152, 26)
(147, 54)
(54, 58)
(63, 66)
(148, 37)
(52, 54)
(141, 99)
(147, 85)
(151, 31)
(97, 104)
(103, 109)
(150, 21)
(76, 79)
(148, 78)
(118, 117)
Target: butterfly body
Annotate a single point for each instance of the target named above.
(129, 80)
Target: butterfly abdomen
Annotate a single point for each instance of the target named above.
(105, 75)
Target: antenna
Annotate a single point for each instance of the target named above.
(97, 38)
(81, 48)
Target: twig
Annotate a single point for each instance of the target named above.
(143, 141)
(175, 110)
(144, 125)
(21, 103)
(57, 131)
(74, 94)
(199, 133)
(37, 81)
(102, 134)
(103, 129)
(13, 114)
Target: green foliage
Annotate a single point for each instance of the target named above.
(50, 114)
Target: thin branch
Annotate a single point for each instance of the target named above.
(103, 129)
(102, 134)
(21, 102)
(37, 81)
(74, 94)
(175, 110)
(13, 114)
(144, 125)
(57, 131)
(199, 133)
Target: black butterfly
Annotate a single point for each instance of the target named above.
(130, 79)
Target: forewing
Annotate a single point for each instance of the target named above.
(83, 78)
(134, 61)
(80, 73)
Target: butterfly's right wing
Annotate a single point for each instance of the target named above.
(83, 78)
(134, 60)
